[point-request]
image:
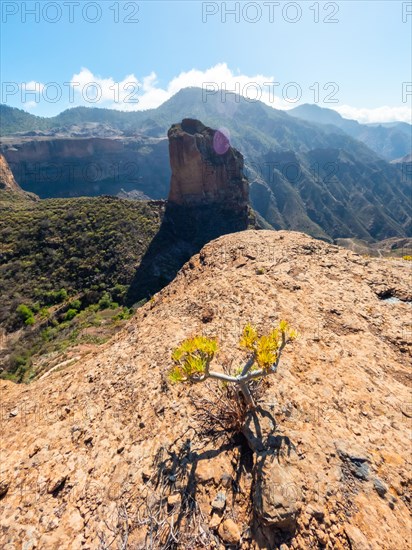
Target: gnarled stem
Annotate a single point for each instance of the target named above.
(244, 388)
(246, 375)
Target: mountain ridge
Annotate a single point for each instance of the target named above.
(391, 140)
(318, 191)
(310, 112)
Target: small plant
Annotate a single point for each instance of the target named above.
(106, 301)
(76, 304)
(193, 357)
(44, 313)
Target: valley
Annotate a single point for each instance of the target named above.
(65, 269)
(304, 175)
(205, 275)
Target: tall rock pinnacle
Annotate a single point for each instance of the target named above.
(206, 170)
(209, 197)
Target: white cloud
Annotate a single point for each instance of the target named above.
(379, 114)
(92, 90)
(133, 94)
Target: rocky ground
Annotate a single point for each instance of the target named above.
(106, 454)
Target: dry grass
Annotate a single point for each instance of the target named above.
(221, 410)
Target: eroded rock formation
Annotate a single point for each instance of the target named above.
(206, 170)
(7, 181)
(209, 197)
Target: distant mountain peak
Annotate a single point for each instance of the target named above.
(390, 140)
(314, 113)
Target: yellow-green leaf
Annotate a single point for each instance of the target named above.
(249, 337)
(175, 375)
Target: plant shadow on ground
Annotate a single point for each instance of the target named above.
(173, 517)
(267, 446)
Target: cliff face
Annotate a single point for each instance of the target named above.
(7, 180)
(206, 170)
(56, 166)
(8, 183)
(100, 450)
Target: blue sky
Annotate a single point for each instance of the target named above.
(362, 60)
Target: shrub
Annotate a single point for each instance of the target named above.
(105, 301)
(70, 314)
(193, 357)
(46, 334)
(123, 315)
(61, 295)
(25, 314)
(76, 304)
(119, 292)
(55, 296)
(35, 307)
(44, 313)
(19, 364)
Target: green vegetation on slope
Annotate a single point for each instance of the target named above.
(17, 120)
(65, 263)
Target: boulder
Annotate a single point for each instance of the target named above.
(277, 495)
(229, 531)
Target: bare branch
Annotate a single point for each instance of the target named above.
(249, 365)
